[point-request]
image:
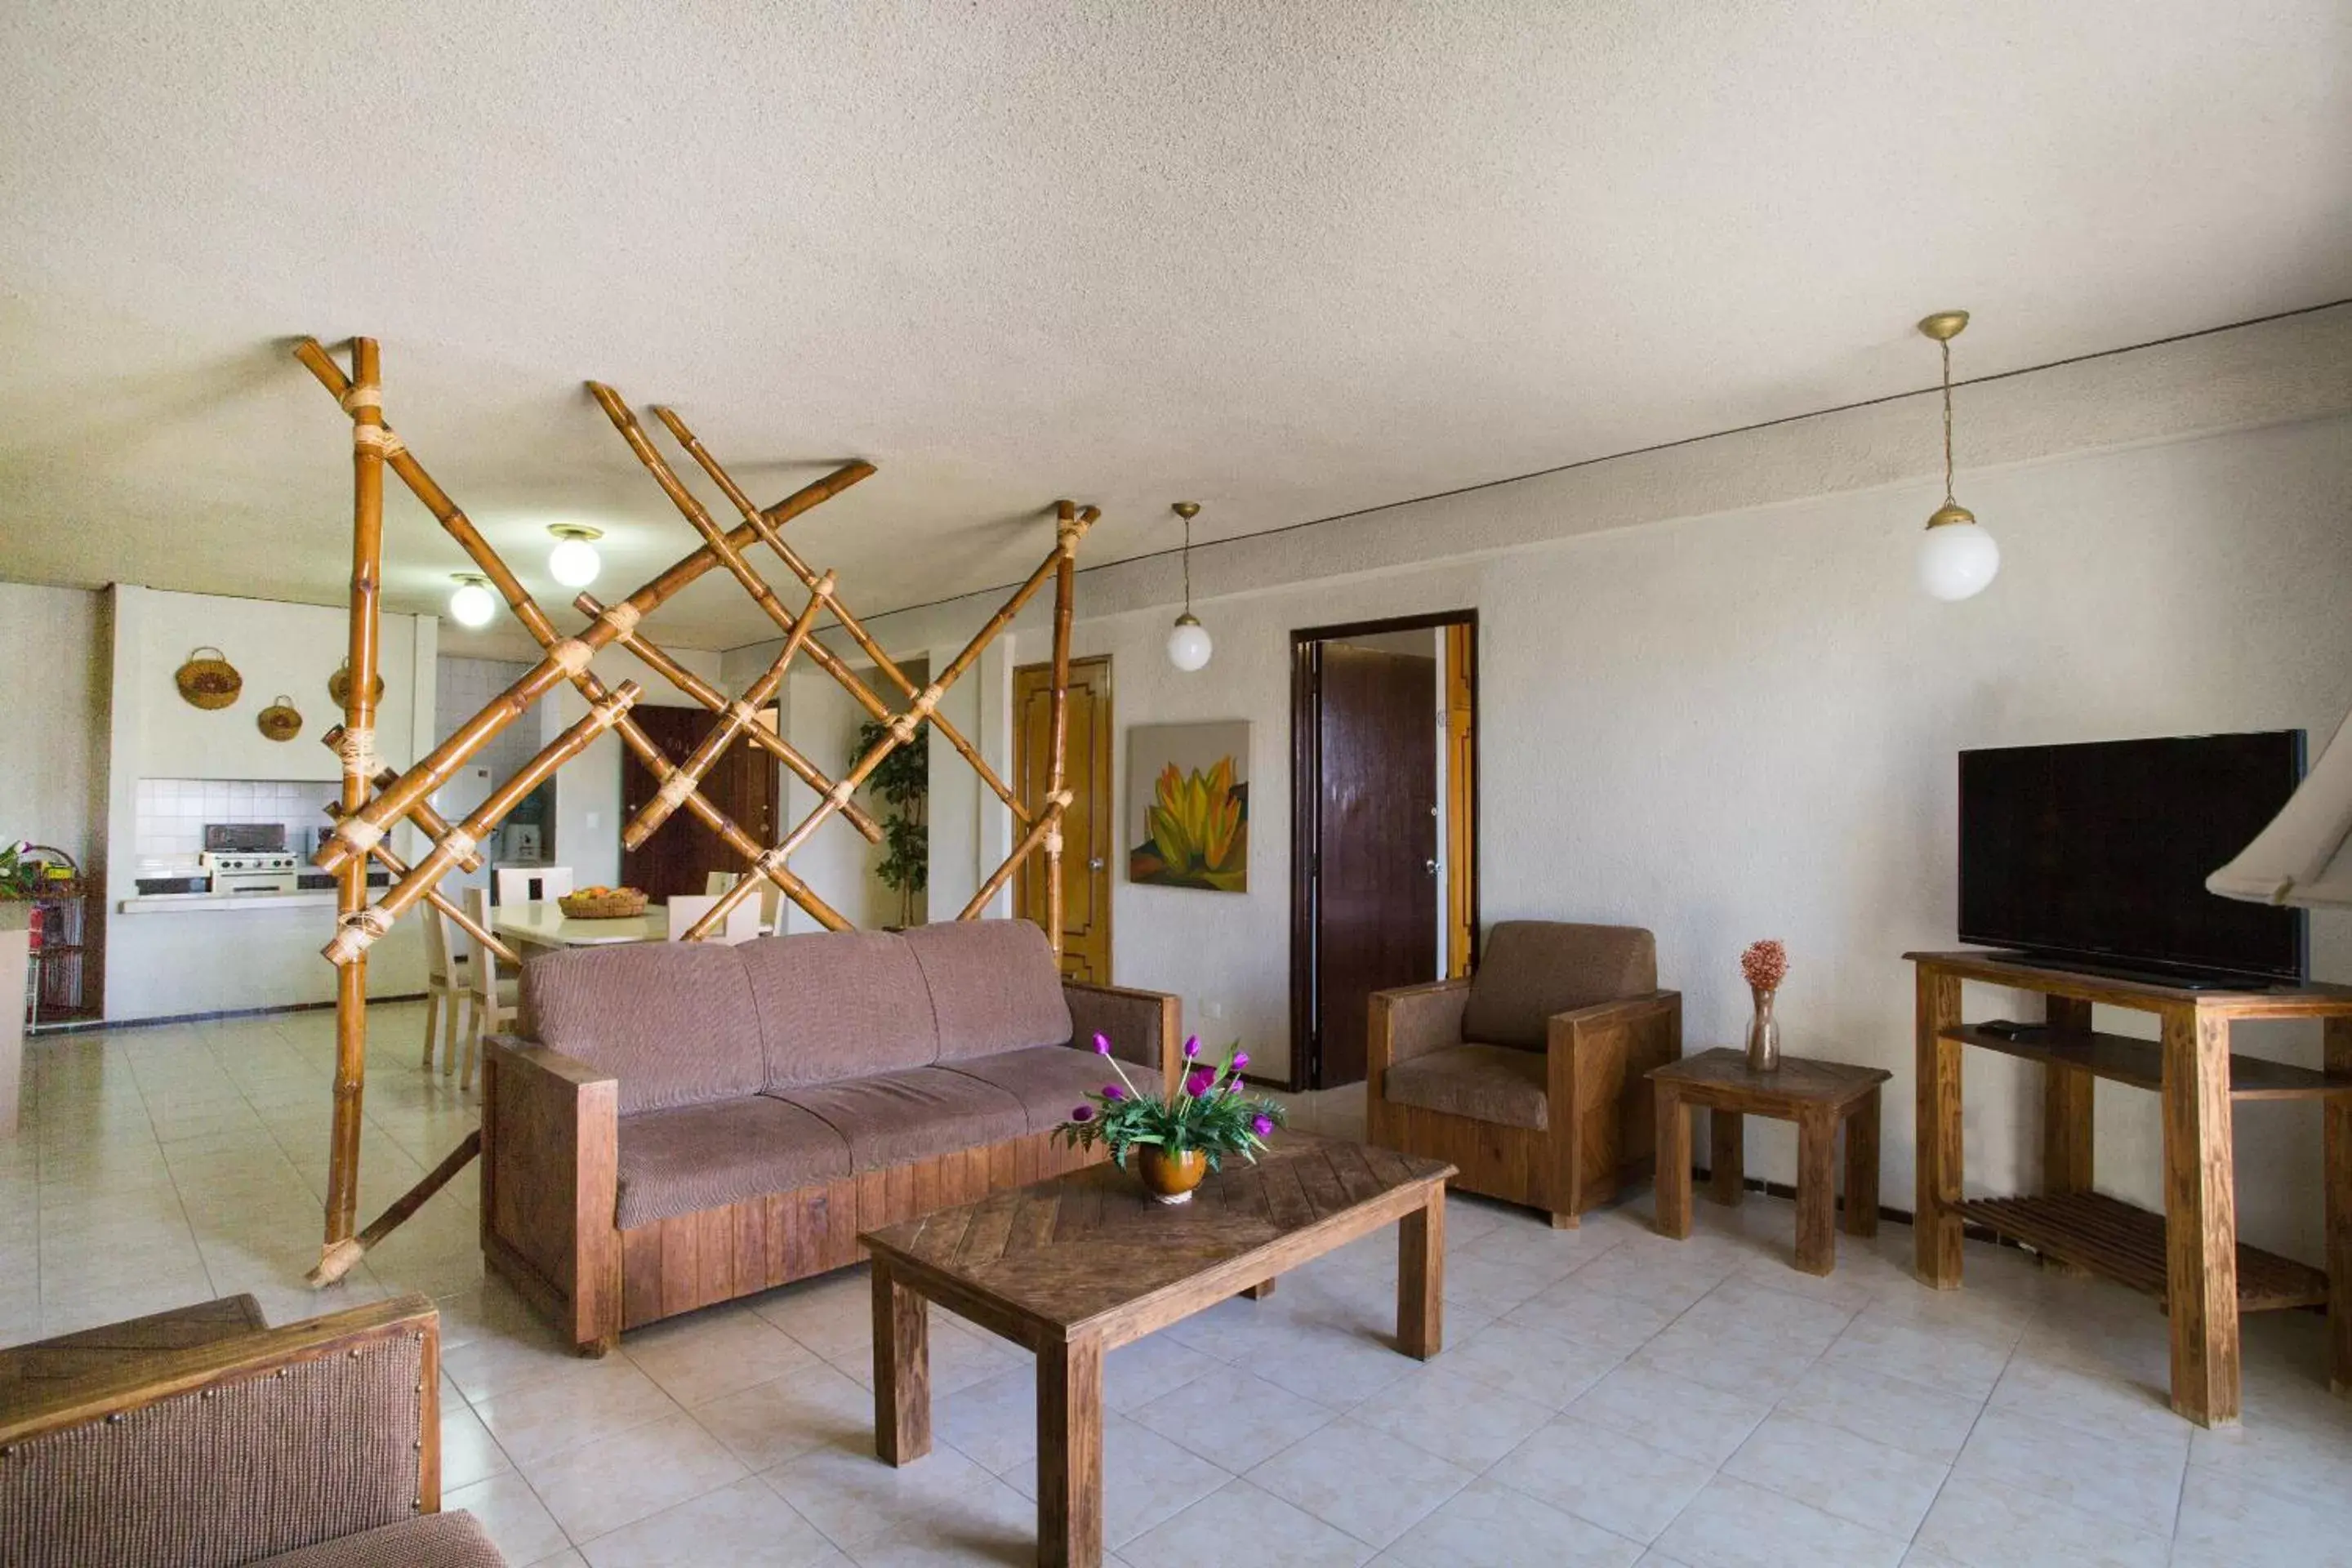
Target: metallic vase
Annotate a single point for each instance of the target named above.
(1763, 1034)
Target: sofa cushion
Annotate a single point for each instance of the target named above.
(1485, 1083)
(1048, 1081)
(839, 1004)
(674, 1021)
(454, 1540)
(994, 986)
(1530, 970)
(700, 1157)
(890, 1119)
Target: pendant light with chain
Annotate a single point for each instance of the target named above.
(1188, 640)
(1958, 558)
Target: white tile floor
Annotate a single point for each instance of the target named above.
(1607, 1397)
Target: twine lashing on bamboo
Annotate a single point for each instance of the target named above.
(621, 617)
(571, 656)
(360, 395)
(357, 749)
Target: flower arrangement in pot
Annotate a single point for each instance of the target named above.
(1180, 1136)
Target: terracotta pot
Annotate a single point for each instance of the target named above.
(1170, 1178)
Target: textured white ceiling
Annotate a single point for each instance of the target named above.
(1290, 259)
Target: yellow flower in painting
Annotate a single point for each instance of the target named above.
(1195, 819)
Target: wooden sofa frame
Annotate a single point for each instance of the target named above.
(1595, 1062)
(551, 1150)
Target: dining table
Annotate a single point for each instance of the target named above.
(542, 925)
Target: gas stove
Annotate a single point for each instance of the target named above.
(251, 870)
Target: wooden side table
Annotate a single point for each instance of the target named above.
(1817, 1096)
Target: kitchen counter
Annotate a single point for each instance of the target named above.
(208, 903)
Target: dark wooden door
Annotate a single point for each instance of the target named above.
(1375, 868)
(683, 851)
(1090, 824)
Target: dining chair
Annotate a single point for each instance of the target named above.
(532, 884)
(496, 998)
(717, 882)
(448, 983)
(742, 921)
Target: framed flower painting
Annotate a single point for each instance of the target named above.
(1188, 805)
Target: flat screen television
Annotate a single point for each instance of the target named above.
(2096, 855)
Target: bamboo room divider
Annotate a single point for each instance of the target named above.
(376, 798)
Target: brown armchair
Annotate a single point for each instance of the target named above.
(1528, 1076)
(203, 1439)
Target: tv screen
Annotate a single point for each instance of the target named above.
(2098, 853)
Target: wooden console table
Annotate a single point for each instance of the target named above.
(2189, 1257)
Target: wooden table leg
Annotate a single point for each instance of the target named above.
(1070, 1454)
(1727, 1161)
(1816, 1191)
(2200, 1219)
(1259, 1292)
(1936, 1219)
(1673, 1164)
(902, 1371)
(2337, 1140)
(1421, 1278)
(1862, 1166)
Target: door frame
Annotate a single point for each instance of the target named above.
(1306, 809)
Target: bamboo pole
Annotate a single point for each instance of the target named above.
(426, 820)
(357, 933)
(901, 727)
(1059, 721)
(1049, 822)
(850, 623)
(710, 697)
(340, 1259)
(738, 717)
(365, 402)
(416, 784)
(433, 896)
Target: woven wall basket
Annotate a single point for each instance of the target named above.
(210, 682)
(281, 720)
(339, 687)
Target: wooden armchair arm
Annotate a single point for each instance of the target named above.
(551, 1183)
(1597, 1060)
(1143, 1026)
(1412, 1021)
(252, 1445)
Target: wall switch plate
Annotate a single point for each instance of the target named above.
(592, 820)
(1212, 1011)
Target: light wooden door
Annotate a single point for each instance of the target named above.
(1089, 826)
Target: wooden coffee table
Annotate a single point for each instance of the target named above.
(1075, 1267)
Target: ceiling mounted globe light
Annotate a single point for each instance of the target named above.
(471, 603)
(1959, 559)
(1189, 647)
(575, 561)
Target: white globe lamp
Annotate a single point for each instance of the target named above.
(1958, 560)
(1189, 647)
(471, 603)
(575, 561)
(1188, 644)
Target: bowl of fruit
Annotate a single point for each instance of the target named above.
(603, 903)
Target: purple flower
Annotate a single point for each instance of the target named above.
(1191, 1046)
(1197, 1081)
(1262, 1125)
(1241, 1061)
(1102, 1044)
(1082, 1113)
(1113, 1091)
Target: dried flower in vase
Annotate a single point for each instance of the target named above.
(1765, 964)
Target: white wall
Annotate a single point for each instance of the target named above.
(162, 965)
(55, 655)
(1742, 721)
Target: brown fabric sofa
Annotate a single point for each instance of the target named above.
(204, 1439)
(1528, 1075)
(689, 1121)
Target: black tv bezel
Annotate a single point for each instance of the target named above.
(2108, 960)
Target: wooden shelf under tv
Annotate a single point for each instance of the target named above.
(2125, 1243)
(2189, 1257)
(2126, 1058)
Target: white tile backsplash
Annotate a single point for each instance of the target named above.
(172, 812)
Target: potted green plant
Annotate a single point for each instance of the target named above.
(1177, 1137)
(902, 782)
